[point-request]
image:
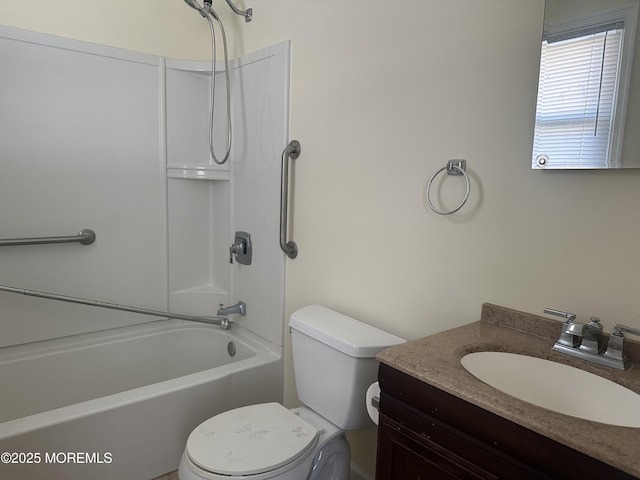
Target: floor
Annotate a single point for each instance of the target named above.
(174, 476)
(168, 476)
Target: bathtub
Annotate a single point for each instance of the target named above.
(119, 404)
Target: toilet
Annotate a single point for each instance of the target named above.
(334, 364)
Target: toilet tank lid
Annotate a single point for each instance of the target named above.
(342, 332)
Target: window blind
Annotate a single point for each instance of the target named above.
(576, 97)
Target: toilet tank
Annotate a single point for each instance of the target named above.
(334, 363)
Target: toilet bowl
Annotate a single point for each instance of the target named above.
(334, 365)
(266, 441)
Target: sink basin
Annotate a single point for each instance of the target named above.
(556, 387)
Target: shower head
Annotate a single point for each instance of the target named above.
(196, 6)
(192, 4)
(204, 10)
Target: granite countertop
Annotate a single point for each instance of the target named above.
(436, 360)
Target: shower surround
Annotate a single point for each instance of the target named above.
(116, 141)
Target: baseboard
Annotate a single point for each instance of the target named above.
(356, 474)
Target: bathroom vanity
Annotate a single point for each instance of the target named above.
(439, 421)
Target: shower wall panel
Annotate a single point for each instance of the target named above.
(198, 189)
(113, 140)
(80, 147)
(243, 194)
(261, 110)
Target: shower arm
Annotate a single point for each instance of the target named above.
(247, 14)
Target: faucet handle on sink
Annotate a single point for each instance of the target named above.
(615, 348)
(571, 331)
(569, 316)
(619, 329)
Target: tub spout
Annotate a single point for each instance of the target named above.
(239, 308)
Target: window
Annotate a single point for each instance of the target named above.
(581, 92)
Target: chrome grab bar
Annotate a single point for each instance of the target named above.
(291, 151)
(216, 320)
(86, 236)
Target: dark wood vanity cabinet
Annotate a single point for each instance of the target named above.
(425, 433)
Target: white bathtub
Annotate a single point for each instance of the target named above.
(119, 404)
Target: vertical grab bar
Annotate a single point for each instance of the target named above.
(291, 151)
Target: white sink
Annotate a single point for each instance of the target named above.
(556, 387)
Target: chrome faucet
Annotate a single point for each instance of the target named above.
(239, 308)
(584, 340)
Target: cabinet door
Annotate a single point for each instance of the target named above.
(421, 427)
(403, 455)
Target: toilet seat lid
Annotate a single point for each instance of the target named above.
(250, 440)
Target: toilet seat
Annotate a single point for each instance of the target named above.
(250, 440)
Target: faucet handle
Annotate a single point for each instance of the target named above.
(620, 329)
(570, 332)
(241, 248)
(569, 316)
(615, 348)
(237, 248)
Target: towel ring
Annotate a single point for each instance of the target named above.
(453, 167)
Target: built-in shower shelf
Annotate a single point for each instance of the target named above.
(194, 66)
(198, 172)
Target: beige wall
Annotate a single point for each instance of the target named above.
(383, 94)
(161, 27)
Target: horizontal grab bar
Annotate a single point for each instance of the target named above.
(216, 320)
(86, 236)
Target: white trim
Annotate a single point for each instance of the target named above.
(63, 43)
(626, 13)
